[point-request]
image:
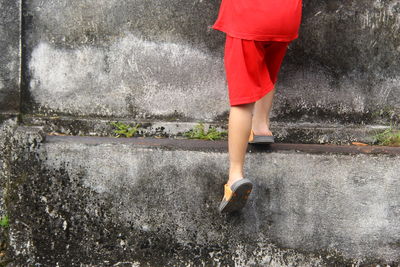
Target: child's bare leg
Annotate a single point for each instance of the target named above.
(261, 112)
(238, 134)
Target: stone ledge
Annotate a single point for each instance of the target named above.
(307, 133)
(101, 201)
(221, 146)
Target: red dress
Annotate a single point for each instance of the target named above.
(261, 20)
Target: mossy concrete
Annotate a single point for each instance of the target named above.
(82, 201)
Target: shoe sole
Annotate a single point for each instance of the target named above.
(262, 139)
(241, 191)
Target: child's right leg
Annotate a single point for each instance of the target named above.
(274, 55)
(261, 111)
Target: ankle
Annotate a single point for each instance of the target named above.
(234, 178)
(262, 130)
(260, 123)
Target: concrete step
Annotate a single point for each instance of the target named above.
(101, 201)
(288, 132)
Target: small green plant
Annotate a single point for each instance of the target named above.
(4, 221)
(125, 130)
(389, 137)
(199, 133)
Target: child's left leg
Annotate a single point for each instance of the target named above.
(274, 54)
(238, 134)
(238, 188)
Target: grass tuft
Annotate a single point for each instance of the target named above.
(389, 137)
(124, 130)
(199, 133)
(4, 221)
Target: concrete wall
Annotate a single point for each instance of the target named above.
(9, 55)
(159, 59)
(345, 64)
(7, 128)
(101, 201)
(126, 58)
(106, 201)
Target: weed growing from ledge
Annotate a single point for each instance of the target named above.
(125, 130)
(389, 137)
(199, 133)
(4, 221)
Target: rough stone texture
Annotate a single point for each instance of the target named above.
(104, 203)
(160, 59)
(124, 58)
(10, 55)
(8, 124)
(345, 65)
(7, 128)
(286, 132)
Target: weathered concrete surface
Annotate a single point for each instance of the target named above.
(8, 124)
(7, 128)
(73, 201)
(287, 132)
(10, 55)
(345, 65)
(124, 58)
(159, 59)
